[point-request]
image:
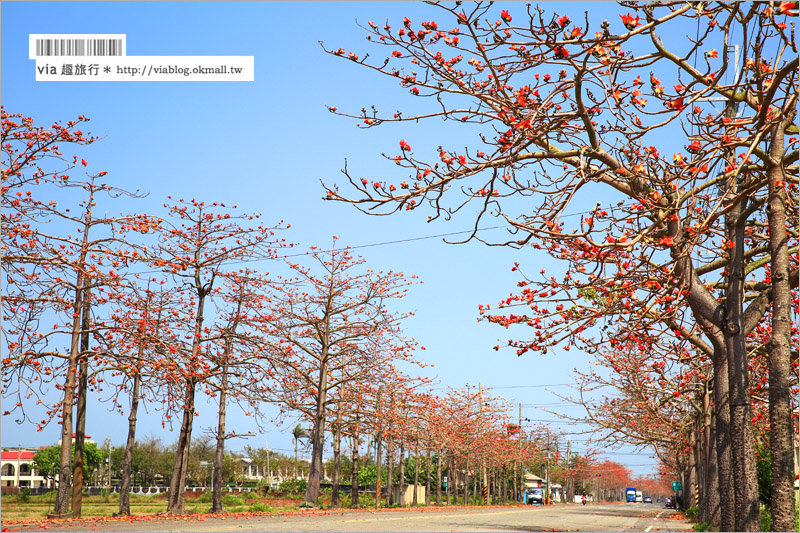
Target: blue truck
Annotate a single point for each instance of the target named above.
(630, 495)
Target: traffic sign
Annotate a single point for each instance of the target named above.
(676, 486)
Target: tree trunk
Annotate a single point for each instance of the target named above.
(710, 498)
(379, 469)
(428, 479)
(494, 487)
(337, 442)
(747, 509)
(454, 479)
(127, 463)
(439, 478)
(219, 454)
(782, 503)
(61, 505)
(402, 491)
(78, 467)
(514, 482)
(722, 432)
(389, 472)
(317, 438)
(504, 488)
(177, 482)
(414, 500)
(474, 486)
(354, 478)
(691, 471)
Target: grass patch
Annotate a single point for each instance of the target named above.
(259, 507)
(231, 500)
(38, 506)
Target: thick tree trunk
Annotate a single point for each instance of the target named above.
(389, 472)
(127, 462)
(337, 442)
(177, 483)
(379, 469)
(782, 503)
(494, 487)
(61, 505)
(710, 497)
(317, 438)
(691, 472)
(354, 478)
(219, 453)
(501, 484)
(79, 467)
(454, 479)
(414, 500)
(747, 508)
(722, 432)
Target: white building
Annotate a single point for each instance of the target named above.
(17, 469)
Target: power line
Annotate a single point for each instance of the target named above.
(488, 387)
(374, 244)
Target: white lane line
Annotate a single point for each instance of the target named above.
(648, 528)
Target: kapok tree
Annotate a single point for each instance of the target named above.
(139, 331)
(29, 154)
(333, 325)
(52, 274)
(196, 245)
(563, 113)
(240, 371)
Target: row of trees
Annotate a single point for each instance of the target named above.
(160, 308)
(683, 278)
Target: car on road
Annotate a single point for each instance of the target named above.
(648, 499)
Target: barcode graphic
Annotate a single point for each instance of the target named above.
(78, 47)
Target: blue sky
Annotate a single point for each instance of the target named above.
(265, 146)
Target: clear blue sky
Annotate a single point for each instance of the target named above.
(265, 146)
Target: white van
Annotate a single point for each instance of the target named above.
(639, 498)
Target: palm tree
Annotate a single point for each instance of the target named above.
(298, 433)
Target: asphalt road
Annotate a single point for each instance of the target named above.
(592, 517)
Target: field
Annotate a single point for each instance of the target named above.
(14, 507)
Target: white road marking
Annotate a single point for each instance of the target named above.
(648, 528)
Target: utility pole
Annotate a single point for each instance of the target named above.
(483, 460)
(569, 459)
(269, 470)
(108, 462)
(547, 473)
(519, 434)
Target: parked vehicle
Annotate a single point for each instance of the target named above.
(669, 502)
(630, 495)
(536, 496)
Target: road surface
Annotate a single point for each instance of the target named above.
(592, 517)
